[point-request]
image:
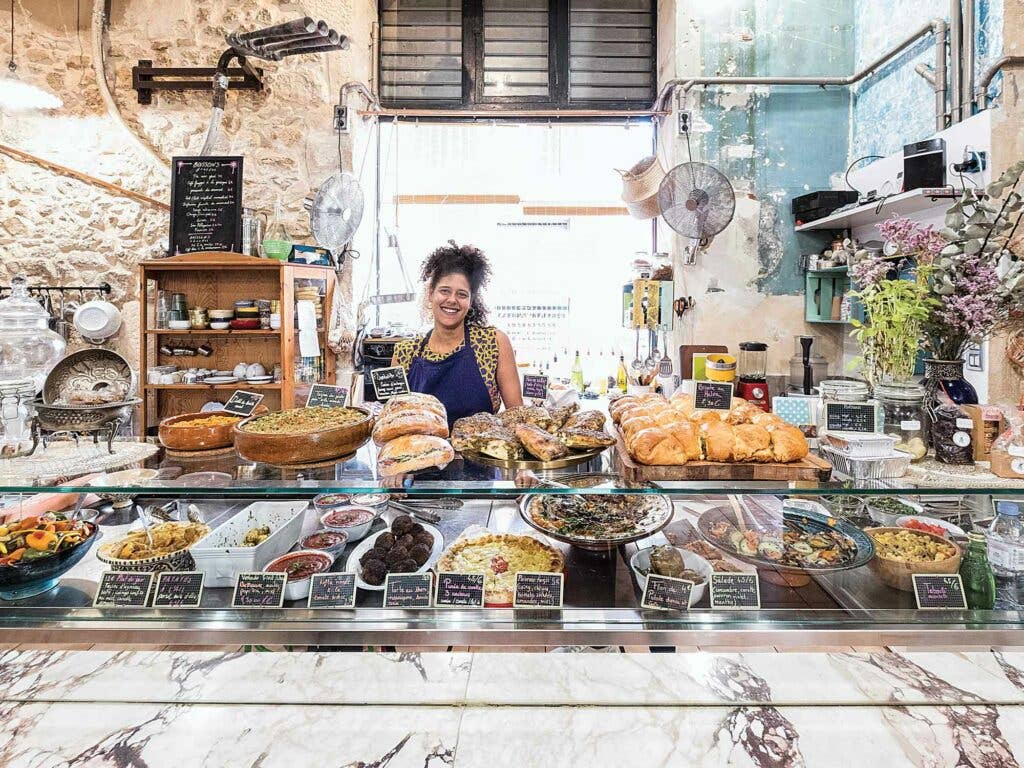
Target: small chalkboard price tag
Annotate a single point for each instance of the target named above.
(332, 590)
(535, 386)
(459, 590)
(388, 382)
(327, 396)
(123, 589)
(712, 395)
(259, 590)
(664, 593)
(408, 590)
(178, 589)
(538, 590)
(736, 591)
(850, 417)
(938, 591)
(242, 403)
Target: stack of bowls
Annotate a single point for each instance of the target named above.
(220, 319)
(247, 315)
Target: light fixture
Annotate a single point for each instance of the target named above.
(18, 96)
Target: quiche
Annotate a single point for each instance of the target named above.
(500, 556)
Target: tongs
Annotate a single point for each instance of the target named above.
(417, 512)
(432, 503)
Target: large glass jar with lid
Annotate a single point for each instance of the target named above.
(832, 416)
(28, 348)
(904, 415)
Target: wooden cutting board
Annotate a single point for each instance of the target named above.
(812, 468)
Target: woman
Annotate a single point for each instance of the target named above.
(468, 365)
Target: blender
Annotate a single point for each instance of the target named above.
(752, 368)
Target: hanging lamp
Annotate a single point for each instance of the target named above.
(19, 96)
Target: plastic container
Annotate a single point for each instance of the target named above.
(220, 555)
(1006, 540)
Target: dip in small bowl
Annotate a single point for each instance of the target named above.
(351, 520)
(300, 567)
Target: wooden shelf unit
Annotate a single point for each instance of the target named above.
(216, 281)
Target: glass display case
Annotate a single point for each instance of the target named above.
(824, 575)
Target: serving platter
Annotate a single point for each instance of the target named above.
(352, 564)
(572, 460)
(656, 516)
(291, 450)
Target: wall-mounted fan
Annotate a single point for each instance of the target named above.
(696, 200)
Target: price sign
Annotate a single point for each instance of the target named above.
(535, 386)
(178, 589)
(332, 590)
(388, 382)
(538, 590)
(735, 590)
(242, 403)
(408, 590)
(664, 593)
(123, 589)
(327, 396)
(460, 590)
(937, 591)
(850, 417)
(259, 590)
(712, 395)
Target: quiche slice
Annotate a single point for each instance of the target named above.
(500, 556)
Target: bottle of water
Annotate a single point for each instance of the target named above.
(1006, 541)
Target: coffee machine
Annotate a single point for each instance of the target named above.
(752, 366)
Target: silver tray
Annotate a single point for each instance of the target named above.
(89, 370)
(572, 460)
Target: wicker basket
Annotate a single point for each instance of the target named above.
(640, 186)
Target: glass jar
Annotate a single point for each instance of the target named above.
(28, 348)
(848, 392)
(904, 415)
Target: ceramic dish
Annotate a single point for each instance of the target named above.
(324, 540)
(352, 564)
(948, 527)
(249, 324)
(353, 521)
(219, 380)
(640, 562)
(898, 574)
(259, 379)
(303, 564)
(887, 510)
(314, 447)
(195, 438)
(220, 325)
(179, 325)
(222, 314)
(177, 560)
(326, 501)
(27, 578)
(564, 517)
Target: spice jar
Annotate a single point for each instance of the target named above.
(904, 416)
(847, 392)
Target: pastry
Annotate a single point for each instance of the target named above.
(586, 439)
(717, 439)
(743, 413)
(672, 446)
(751, 443)
(526, 414)
(468, 427)
(585, 420)
(500, 556)
(499, 443)
(540, 443)
(561, 415)
(788, 443)
(401, 423)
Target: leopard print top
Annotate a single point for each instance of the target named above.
(484, 341)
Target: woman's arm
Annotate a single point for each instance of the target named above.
(508, 375)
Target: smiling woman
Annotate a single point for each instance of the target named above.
(468, 365)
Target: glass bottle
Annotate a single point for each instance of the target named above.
(1006, 541)
(620, 376)
(577, 373)
(277, 243)
(904, 415)
(976, 573)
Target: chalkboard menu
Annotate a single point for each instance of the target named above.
(178, 589)
(332, 590)
(326, 396)
(408, 590)
(850, 417)
(538, 590)
(735, 590)
(206, 204)
(242, 403)
(388, 382)
(123, 589)
(535, 386)
(712, 395)
(259, 590)
(939, 590)
(460, 590)
(666, 594)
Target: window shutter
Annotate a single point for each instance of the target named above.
(611, 50)
(421, 50)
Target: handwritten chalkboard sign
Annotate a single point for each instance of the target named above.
(388, 382)
(937, 591)
(259, 590)
(850, 417)
(535, 386)
(712, 395)
(735, 590)
(460, 590)
(538, 590)
(408, 590)
(326, 396)
(332, 590)
(178, 589)
(666, 594)
(123, 589)
(206, 204)
(242, 403)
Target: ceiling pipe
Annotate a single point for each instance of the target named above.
(941, 82)
(956, 32)
(967, 57)
(989, 75)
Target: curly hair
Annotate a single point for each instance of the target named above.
(468, 261)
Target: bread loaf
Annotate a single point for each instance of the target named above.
(409, 423)
(751, 443)
(788, 443)
(672, 446)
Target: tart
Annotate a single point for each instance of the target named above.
(500, 556)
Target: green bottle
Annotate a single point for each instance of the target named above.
(979, 582)
(577, 373)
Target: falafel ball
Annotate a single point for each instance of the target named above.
(406, 566)
(385, 541)
(406, 540)
(374, 572)
(420, 553)
(397, 555)
(401, 525)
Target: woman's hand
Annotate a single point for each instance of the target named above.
(525, 478)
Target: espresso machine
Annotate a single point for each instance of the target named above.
(752, 367)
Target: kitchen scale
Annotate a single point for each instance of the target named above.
(752, 384)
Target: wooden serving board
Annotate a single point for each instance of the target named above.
(811, 468)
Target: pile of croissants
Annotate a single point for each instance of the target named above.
(660, 431)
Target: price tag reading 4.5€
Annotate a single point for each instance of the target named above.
(243, 403)
(388, 382)
(459, 590)
(666, 594)
(738, 591)
(937, 591)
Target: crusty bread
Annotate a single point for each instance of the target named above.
(672, 446)
(788, 443)
(751, 443)
(414, 401)
(409, 423)
(412, 452)
(717, 440)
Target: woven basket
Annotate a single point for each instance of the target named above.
(640, 186)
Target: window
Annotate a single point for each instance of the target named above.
(480, 54)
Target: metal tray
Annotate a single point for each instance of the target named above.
(662, 518)
(572, 460)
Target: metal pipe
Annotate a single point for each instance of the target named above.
(956, 27)
(329, 36)
(989, 75)
(303, 25)
(927, 71)
(342, 45)
(967, 63)
(941, 83)
(267, 39)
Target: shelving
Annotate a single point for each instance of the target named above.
(903, 204)
(200, 387)
(210, 332)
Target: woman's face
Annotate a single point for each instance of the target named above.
(450, 300)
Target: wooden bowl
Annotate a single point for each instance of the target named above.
(194, 438)
(898, 574)
(311, 448)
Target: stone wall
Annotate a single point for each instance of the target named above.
(62, 231)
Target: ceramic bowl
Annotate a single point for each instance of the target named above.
(179, 560)
(334, 521)
(97, 319)
(899, 574)
(297, 589)
(311, 448)
(948, 527)
(640, 562)
(27, 578)
(194, 438)
(336, 541)
(220, 325)
(246, 324)
(179, 325)
(222, 314)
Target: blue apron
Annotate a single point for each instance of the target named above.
(455, 381)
